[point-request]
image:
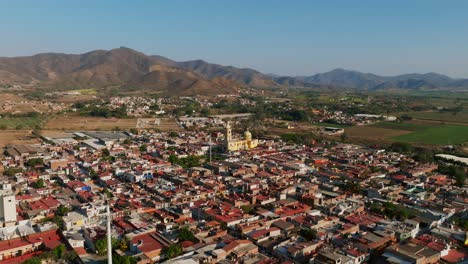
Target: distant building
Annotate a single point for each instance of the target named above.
(235, 145)
(7, 205)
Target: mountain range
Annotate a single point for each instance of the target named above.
(129, 69)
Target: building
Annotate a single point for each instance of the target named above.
(7, 205)
(235, 145)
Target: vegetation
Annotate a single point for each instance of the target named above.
(308, 234)
(35, 161)
(186, 235)
(39, 184)
(247, 209)
(457, 172)
(438, 135)
(22, 122)
(187, 162)
(12, 171)
(173, 251)
(390, 210)
(297, 138)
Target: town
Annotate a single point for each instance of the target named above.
(223, 197)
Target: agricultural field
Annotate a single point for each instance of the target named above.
(415, 131)
(16, 137)
(162, 124)
(406, 126)
(89, 123)
(329, 125)
(461, 117)
(20, 123)
(437, 135)
(373, 133)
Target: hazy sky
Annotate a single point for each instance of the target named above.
(291, 37)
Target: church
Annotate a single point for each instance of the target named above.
(238, 144)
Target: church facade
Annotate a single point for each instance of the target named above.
(239, 144)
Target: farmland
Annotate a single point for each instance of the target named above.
(373, 133)
(406, 126)
(419, 132)
(437, 135)
(101, 123)
(461, 117)
(16, 137)
(21, 122)
(89, 123)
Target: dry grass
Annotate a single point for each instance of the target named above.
(21, 104)
(16, 137)
(373, 133)
(162, 124)
(89, 123)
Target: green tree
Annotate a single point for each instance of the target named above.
(185, 234)
(101, 247)
(12, 171)
(308, 234)
(33, 260)
(62, 210)
(59, 251)
(173, 251)
(247, 209)
(35, 161)
(143, 148)
(39, 184)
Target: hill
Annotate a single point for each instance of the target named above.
(120, 67)
(124, 68)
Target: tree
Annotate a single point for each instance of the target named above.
(33, 260)
(143, 148)
(173, 134)
(92, 173)
(62, 210)
(59, 251)
(39, 184)
(134, 131)
(101, 247)
(460, 176)
(308, 234)
(12, 171)
(35, 161)
(185, 234)
(247, 209)
(106, 152)
(173, 251)
(123, 244)
(173, 159)
(401, 147)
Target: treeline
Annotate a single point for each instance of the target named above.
(89, 109)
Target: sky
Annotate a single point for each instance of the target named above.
(285, 37)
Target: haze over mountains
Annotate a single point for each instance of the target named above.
(127, 68)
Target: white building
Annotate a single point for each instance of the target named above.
(7, 205)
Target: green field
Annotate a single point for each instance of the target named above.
(329, 125)
(437, 135)
(404, 126)
(20, 122)
(461, 117)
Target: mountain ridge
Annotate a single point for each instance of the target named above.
(124, 67)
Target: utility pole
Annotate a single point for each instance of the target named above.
(109, 238)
